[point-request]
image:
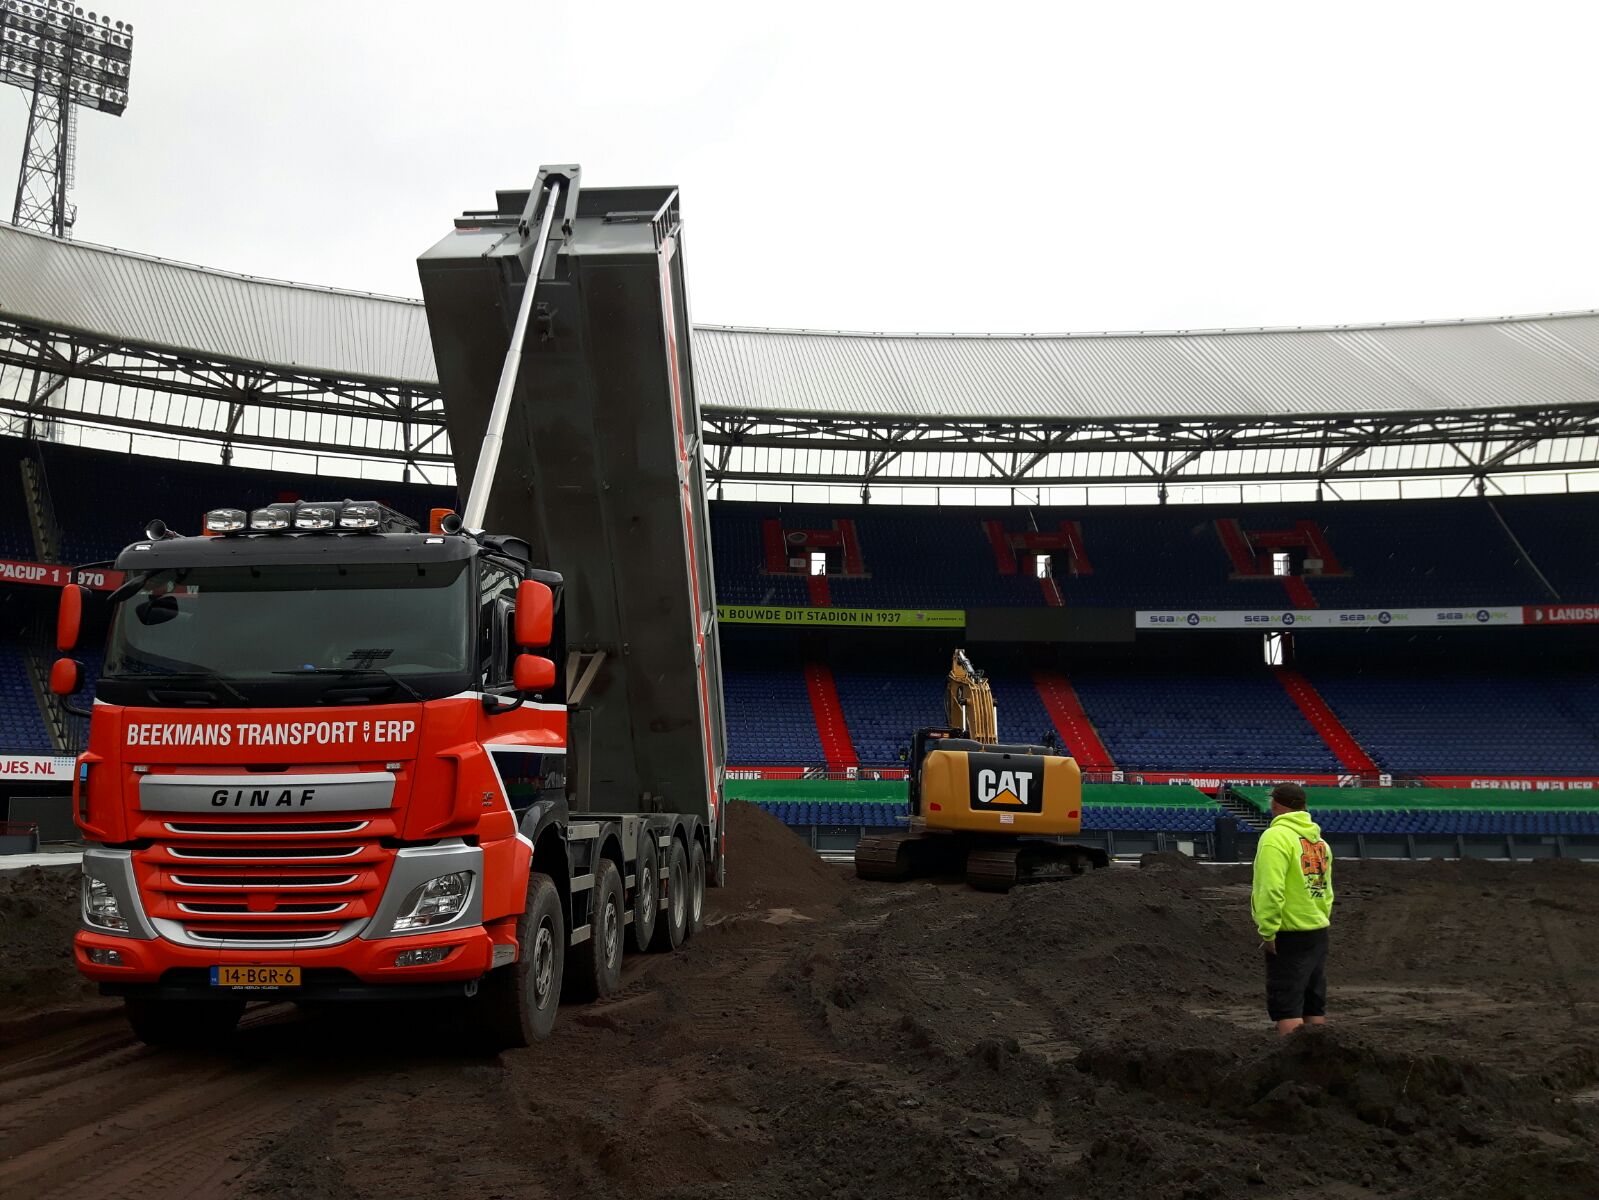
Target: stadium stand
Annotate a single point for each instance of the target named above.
(22, 726)
(1561, 536)
(1450, 722)
(882, 804)
(1415, 553)
(102, 499)
(16, 539)
(884, 708)
(1193, 721)
(769, 720)
(1445, 811)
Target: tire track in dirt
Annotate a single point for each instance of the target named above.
(134, 1122)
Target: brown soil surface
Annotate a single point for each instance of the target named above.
(1102, 1037)
(38, 916)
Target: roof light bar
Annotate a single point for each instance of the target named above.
(352, 516)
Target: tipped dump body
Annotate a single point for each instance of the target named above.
(600, 468)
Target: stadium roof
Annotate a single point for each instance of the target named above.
(1549, 361)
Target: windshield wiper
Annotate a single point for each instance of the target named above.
(349, 671)
(152, 679)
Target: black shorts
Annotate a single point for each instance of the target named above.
(1296, 976)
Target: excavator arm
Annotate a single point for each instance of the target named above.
(968, 702)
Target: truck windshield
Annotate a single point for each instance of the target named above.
(274, 622)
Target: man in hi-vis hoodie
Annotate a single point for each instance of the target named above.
(1292, 906)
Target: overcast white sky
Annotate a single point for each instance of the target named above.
(983, 166)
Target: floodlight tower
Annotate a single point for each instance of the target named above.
(67, 59)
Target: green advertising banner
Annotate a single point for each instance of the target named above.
(874, 618)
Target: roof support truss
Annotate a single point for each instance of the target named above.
(930, 451)
(55, 375)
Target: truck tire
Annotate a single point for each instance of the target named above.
(671, 925)
(516, 1003)
(183, 1023)
(596, 967)
(696, 889)
(646, 892)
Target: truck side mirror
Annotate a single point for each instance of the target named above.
(69, 617)
(531, 672)
(66, 676)
(535, 615)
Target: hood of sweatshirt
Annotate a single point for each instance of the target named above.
(1301, 824)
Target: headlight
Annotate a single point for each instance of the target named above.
(100, 908)
(435, 902)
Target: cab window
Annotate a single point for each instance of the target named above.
(496, 604)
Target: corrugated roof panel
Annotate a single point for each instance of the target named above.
(161, 304)
(1530, 362)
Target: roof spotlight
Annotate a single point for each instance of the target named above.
(225, 520)
(314, 516)
(271, 518)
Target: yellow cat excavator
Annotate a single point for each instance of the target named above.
(1000, 812)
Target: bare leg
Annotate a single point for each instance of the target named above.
(1284, 1028)
(1315, 1020)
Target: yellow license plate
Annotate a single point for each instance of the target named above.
(263, 978)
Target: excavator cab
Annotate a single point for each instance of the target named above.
(1000, 811)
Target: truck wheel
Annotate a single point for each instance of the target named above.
(597, 963)
(646, 893)
(696, 889)
(183, 1023)
(517, 1003)
(671, 927)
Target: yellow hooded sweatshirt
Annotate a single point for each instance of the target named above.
(1293, 877)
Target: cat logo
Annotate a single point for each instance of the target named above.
(1004, 787)
(1006, 783)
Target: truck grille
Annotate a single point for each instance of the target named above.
(271, 854)
(294, 881)
(263, 828)
(258, 934)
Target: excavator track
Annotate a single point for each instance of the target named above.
(1000, 868)
(887, 858)
(893, 857)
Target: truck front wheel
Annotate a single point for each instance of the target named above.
(183, 1023)
(517, 1002)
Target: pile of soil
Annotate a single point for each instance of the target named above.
(38, 916)
(1168, 860)
(1114, 1025)
(769, 867)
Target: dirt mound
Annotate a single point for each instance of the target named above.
(1303, 1082)
(1116, 1023)
(38, 916)
(1168, 860)
(769, 867)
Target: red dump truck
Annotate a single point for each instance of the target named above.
(339, 754)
